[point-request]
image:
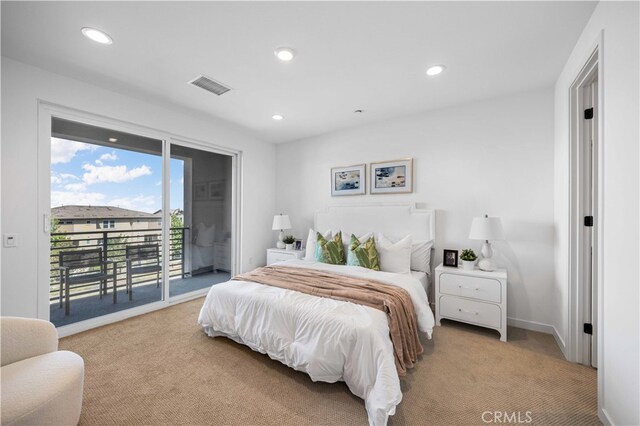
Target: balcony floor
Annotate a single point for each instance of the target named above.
(92, 306)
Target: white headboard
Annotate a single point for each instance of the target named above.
(393, 220)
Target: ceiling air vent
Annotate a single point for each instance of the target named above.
(210, 85)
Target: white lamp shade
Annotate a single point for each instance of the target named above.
(281, 221)
(486, 228)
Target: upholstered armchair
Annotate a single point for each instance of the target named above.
(40, 384)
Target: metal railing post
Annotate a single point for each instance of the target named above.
(105, 248)
(182, 250)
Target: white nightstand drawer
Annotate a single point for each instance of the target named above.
(470, 311)
(277, 255)
(474, 287)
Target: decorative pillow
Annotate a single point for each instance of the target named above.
(205, 235)
(365, 255)
(310, 253)
(394, 257)
(330, 251)
(363, 237)
(421, 256)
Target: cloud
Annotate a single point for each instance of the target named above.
(63, 151)
(68, 176)
(98, 163)
(113, 174)
(66, 198)
(109, 156)
(145, 203)
(78, 187)
(59, 178)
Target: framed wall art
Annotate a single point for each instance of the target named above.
(200, 191)
(391, 177)
(216, 190)
(349, 180)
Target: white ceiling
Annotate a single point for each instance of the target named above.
(351, 55)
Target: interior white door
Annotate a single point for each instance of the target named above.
(589, 165)
(592, 190)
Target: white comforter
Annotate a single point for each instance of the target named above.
(330, 340)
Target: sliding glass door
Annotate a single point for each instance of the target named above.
(131, 219)
(201, 219)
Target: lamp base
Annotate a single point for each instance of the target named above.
(486, 265)
(280, 244)
(486, 250)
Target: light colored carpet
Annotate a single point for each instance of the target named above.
(160, 369)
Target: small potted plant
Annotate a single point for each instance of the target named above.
(289, 241)
(468, 258)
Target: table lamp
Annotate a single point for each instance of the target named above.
(486, 228)
(281, 222)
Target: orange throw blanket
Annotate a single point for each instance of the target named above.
(392, 300)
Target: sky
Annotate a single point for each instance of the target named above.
(87, 174)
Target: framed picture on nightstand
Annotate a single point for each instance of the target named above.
(450, 258)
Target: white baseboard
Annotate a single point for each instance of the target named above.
(539, 327)
(530, 325)
(604, 417)
(560, 342)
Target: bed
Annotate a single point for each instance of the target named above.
(330, 340)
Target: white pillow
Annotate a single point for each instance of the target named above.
(310, 253)
(421, 256)
(205, 236)
(394, 257)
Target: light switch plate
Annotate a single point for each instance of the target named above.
(10, 240)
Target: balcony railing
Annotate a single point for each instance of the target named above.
(113, 244)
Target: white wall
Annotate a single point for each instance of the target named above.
(24, 85)
(493, 157)
(619, 396)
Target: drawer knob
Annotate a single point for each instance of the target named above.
(467, 312)
(468, 288)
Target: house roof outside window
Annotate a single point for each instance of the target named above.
(100, 212)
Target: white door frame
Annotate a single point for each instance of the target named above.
(576, 339)
(48, 110)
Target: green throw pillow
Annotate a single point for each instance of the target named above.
(330, 251)
(365, 255)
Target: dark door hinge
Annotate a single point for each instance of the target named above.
(588, 328)
(588, 113)
(588, 221)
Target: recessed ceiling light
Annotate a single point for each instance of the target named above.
(285, 54)
(97, 35)
(113, 140)
(277, 117)
(435, 70)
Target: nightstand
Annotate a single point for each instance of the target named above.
(279, 255)
(222, 256)
(475, 297)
